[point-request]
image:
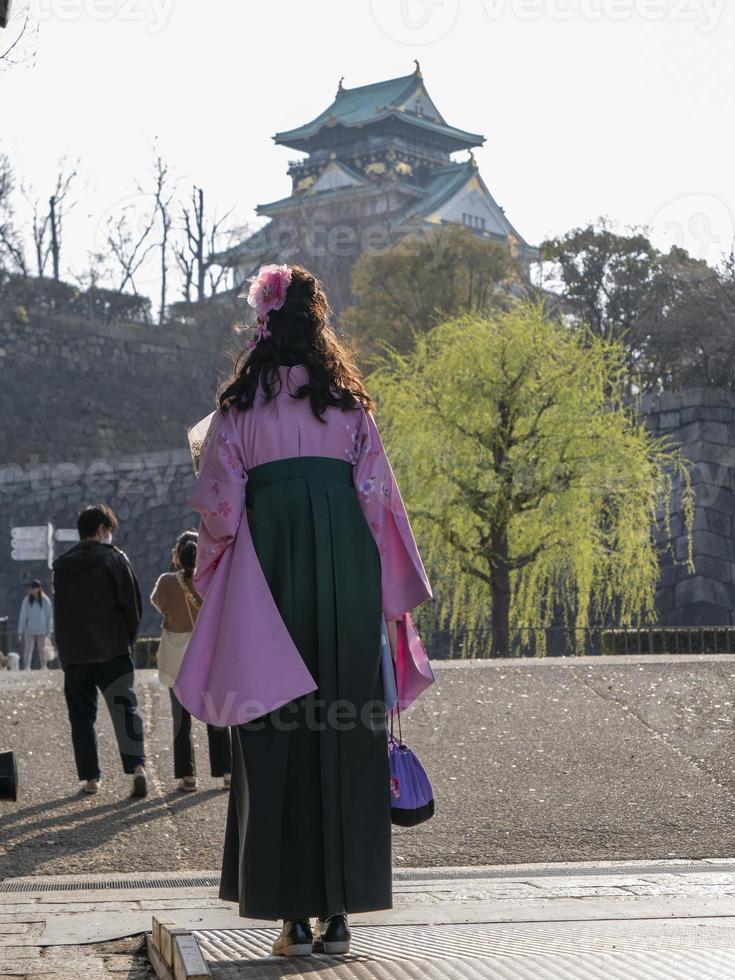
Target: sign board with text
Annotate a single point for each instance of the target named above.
(66, 534)
(32, 543)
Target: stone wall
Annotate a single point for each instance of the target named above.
(73, 390)
(702, 422)
(99, 412)
(148, 492)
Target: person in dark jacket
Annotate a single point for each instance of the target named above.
(97, 610)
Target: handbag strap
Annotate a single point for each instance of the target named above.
(189, 595)
(397, 710)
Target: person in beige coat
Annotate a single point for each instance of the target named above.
(176, 598)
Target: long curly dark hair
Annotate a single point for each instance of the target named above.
(300, 334)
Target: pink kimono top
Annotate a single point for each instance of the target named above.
(241, 662)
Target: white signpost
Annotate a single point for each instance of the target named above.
(66, 534)
(33, 543)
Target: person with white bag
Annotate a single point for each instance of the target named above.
(176, 598)
(35, 624)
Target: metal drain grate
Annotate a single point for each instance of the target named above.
(115, 884)
(690, 950)
(400, 874)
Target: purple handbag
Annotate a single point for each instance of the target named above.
(411, 794)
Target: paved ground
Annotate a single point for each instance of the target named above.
(542, 922)
(124, 959)
(536, 761)
(531, 761)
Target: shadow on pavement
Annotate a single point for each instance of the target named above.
(86, 829)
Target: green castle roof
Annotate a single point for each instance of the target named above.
(444, 182)
(372, 103)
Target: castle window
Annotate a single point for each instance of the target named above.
(473, 221)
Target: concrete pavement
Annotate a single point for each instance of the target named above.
(531, 761)
(650, 919)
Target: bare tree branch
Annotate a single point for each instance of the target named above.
(129, 250)
(195, 255)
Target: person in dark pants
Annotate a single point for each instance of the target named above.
(174, 595)
(97, 610)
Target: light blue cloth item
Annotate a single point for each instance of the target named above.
(390, 690)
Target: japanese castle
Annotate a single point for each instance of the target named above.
(378, 166)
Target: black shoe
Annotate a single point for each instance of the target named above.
(295, 940)
(140, 782)
(332, 935)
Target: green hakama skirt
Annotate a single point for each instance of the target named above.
(308, 825)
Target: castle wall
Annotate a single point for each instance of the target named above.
(147, 491)
(99, 412)
(95, 412)
(702, 422)
(73, 390)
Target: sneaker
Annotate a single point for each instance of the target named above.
(332, 935)
(188, 784)
(226, 780)
(140, 782)
(295, 940)
(90, 786)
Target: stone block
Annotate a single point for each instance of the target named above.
(714, 568)
(700, 520)
(718, 396)
(697, 614)
(711, 453)
(665, 599)
(722, 499)
(706, 491)
(692, 396)
(702, 430)
(718, 522)
(707, 543)
(718, 413)
(719, 432)
(666, 401)
(698, 589)
(671, 574)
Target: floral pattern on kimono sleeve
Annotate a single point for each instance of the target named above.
(219, 495)
(404, 581)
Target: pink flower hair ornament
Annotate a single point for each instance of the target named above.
(267, 292)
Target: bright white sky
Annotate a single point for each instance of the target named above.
(590, 107)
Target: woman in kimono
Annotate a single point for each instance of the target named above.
(304, 546)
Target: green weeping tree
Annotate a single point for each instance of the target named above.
(534, 488)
